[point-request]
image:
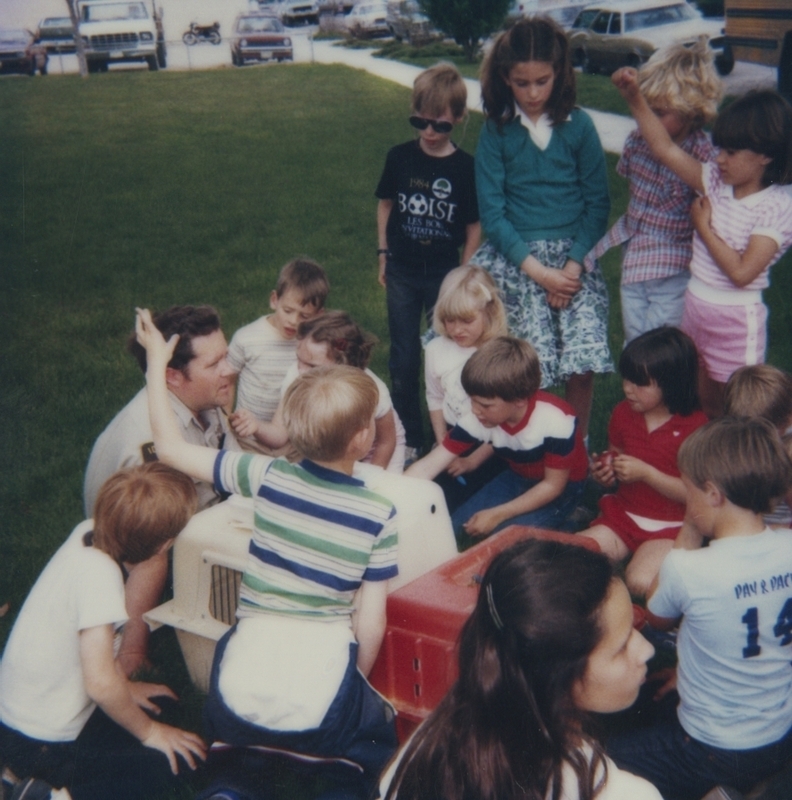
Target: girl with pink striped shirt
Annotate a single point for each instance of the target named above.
(743, 225)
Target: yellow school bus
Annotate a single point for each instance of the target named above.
(761, 31)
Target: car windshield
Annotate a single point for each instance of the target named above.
(663, 15)
(259, 25)
(56, 22)
(112, 11)
(585, 18)
(8, 37)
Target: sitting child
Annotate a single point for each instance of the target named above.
(659, 372)
(683, 89)
(69, 715)
(263, 351)
(292, 672)
(763, 391)
(734, 720)
(535, 432)
(333, 338)
(468, 313)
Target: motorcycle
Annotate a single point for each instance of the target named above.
(206, 33)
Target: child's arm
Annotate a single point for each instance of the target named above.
(553, 483)
(193, 460)
(431, 464)
(272, 434)
(383, 213)
(660, 143)
(439, 427)
(461, 465)
(123, 701)
(369, 622)
(740, 268)
(629, 469)
(384, 440)
(472, 241)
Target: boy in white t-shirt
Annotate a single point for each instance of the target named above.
(263, 351)
(68, 714)
(734, 598)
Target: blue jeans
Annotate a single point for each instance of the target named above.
(647, 305)
(411, 292)
(509, 485)
(685, 769)
(359, 725)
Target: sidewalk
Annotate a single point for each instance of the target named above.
(612, 128)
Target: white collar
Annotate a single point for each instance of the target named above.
(540, 131)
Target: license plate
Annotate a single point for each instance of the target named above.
(265, 55)
(116, 54)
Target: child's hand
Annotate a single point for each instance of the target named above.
(558, 282)
(701, 214)
(626, 81)
(150, 338)
(174, 741)
(629, 469)
(557, 300)
(244, 423)
(143, 692)
(460, 466)
(601, 466)
(381, 270)
(483, 522)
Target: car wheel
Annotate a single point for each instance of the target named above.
(152, 63)
(43, 69)
(162, 55)
(215, 38)
(31, 70)
(724, 62)
(785, 68)
(586, 64)
(190, 39)
(634, 61)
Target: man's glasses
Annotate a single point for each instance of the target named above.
(438, 126)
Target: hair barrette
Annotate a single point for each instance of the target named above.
(498, 622)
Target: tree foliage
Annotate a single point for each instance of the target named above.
(467, 21)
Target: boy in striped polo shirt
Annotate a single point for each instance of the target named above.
(291, 673)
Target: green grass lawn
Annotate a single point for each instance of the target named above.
(149, 189)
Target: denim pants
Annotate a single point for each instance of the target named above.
(411, 292)
(647, 305)
(509, 485)
(358, 726)
(685, 769)
(104, 762)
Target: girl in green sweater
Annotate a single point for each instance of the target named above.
(543, 198)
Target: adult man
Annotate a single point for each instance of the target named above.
(200, 383)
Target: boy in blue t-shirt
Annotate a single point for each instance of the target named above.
(734, 720)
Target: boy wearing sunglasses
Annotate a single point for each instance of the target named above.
(427, 210)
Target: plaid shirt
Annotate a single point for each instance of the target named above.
(656, 231)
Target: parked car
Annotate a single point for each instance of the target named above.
(368, 19)
(564, 14)
(408, 23)
(19, 53)
(627, 33)
(299, 12)
(56, 34)
(260, 37)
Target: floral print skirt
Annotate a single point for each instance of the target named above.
(569, 341)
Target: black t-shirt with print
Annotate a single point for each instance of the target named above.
(434, 200)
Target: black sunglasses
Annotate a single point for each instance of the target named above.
(438, 126)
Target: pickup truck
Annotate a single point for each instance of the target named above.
(114, 31)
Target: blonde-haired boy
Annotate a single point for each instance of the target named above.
(69, 716)
(321, 541)
(427, 211)
(656, 233)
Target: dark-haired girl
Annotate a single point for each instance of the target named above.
(542, 190)
(659, 372)
(743, 222)
(550, 638)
